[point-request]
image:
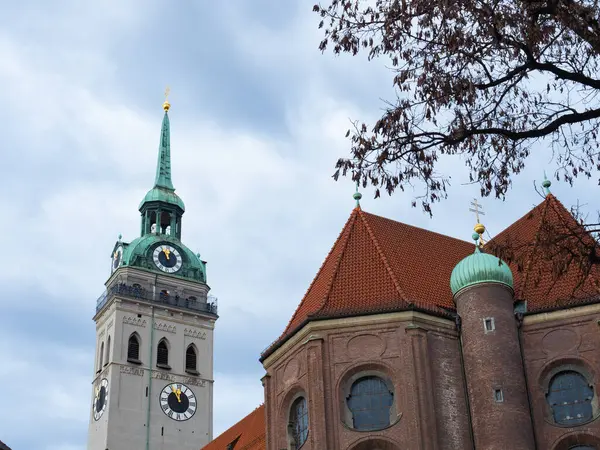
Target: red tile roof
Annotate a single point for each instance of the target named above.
(536, 281)
(248, 434)
(380, 265)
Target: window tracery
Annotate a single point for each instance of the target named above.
(570, 398)
(298, 423)
(370, 401)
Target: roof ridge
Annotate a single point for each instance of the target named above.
(528, 213)
(560, 210)
(355, 213)
(316, 277)
(383, 256)
(445, 236)
(529, 261)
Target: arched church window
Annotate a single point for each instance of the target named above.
(191, 359)
(162, 354)
(101, 355)
(370, 401)
(570, 397)
(133, 349)
(298, 424)
(107, 351)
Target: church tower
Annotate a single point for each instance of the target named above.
(153, 373)
(482, 286)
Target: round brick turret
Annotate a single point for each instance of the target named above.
(496, 388)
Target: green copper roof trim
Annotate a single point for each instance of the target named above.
(163, 167)
(157, 194)
(139, 254)
(479, 268)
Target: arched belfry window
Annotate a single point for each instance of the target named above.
(101, 356)
(107, 351)
(370, 401)
(570, 397)
(162, 354)
(298, 423)
(191, 360)
(133, 349)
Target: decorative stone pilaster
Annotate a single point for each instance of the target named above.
(316, 393)
(423, 381)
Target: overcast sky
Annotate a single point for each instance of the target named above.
(257, 122)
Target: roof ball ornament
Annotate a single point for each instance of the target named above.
(357, 196)
(546, 184)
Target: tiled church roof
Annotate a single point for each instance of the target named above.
(534, 281)
(379, 265)
(248, 434)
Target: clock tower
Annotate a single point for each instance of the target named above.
(153, 372)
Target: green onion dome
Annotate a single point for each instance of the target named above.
(478, 268)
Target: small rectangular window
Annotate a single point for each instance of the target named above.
(488, 324)
(498, 395)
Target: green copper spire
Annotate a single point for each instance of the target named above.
(163, 190)
(163, 167)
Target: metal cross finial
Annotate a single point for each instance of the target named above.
(475, 208)
(166, 104)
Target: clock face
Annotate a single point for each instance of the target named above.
(178, 401)
(117, 257)
(100, 399)
(167, 258)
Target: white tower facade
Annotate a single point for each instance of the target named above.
(153, 372)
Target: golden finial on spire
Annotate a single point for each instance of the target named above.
(166, 104)
(479, 227)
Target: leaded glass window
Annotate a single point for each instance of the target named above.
(299, 422)
(570, 398)
(370, 401)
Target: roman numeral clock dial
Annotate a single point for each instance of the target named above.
(178, 401)
(100, 399)
(167, 258)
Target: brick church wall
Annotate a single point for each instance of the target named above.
(418, 355)
(554, 341)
